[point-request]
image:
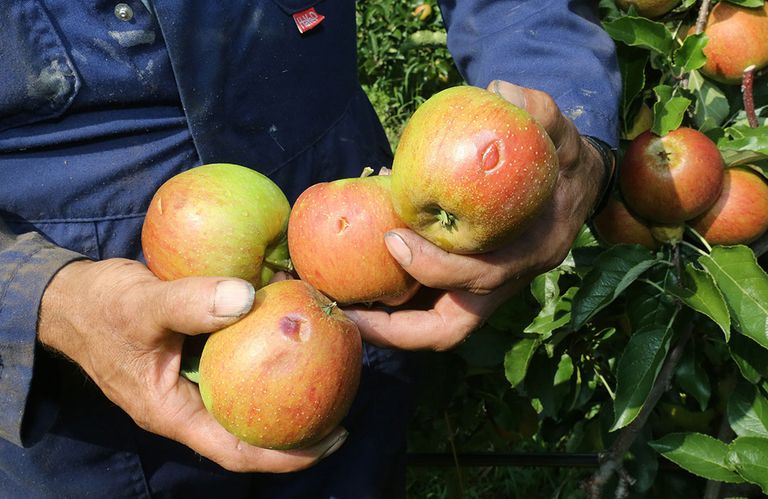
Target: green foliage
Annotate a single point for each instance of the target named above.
(567, 365)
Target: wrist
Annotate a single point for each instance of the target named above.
(54, 327)
(606, 157)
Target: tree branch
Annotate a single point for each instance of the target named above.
(611, 461)
(701, 19)
(747, 94)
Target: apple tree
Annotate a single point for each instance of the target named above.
(655, 358)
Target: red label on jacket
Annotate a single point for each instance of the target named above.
(307, 19)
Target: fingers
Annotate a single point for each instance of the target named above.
(454, 316)
(436, 268)
(541, 106)
(199, 304)
(191, 424)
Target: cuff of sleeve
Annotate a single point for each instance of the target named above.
(26, 268)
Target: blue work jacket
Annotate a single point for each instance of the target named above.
(99, 106)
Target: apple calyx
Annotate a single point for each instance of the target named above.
(447, 220)
(329, 308)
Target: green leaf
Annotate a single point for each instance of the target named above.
(700, 454)
(641, 32)
(668, 111)
(632, 62)
(745, 138)
(748, 411)
(554, 315)
(702, 294)
(518, 358)
(745, 288)
(749, 457)
(711, 107)
(641, 362)
(690, 55)
(693, 379)
(613, 271)
(751, 360)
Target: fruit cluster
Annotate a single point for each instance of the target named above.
(667, 182)
(470, 172)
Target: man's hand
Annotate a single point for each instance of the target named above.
(124, 327)
(474, 285)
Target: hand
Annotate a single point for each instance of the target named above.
(474, 285)
(123, 326)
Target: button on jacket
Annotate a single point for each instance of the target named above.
(101, 102)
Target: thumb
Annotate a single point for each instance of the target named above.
(194, 305)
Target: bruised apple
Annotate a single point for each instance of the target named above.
(617, 225)
(738, 39)
(671, 179)
(336, 239)
(285, 375)
(740, 214)
(471, 170)
(217, 220)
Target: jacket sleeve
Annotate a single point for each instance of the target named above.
(557, 46)
(27, 264)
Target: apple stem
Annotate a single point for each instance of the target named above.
(701, 19)
(447, 220)
(747, 93)
(367, 171)
(328, 308)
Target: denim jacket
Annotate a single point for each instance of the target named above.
(99, 106)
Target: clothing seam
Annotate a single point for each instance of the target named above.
(75, 220)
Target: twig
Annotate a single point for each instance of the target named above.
(747, 94)
(701, 19)
(611, 461)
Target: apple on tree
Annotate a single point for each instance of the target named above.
(336, 240)
(740, 214)
(671, 179)
(649, 8)
(615, 224)
(217, 220)
(471, 170)
(737, 39)
(285, 375)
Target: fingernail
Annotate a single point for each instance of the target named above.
(509, 92)
(340, 439)
(398, 248)
(233, 298)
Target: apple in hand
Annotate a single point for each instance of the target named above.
(740, 214)
(471, 170)
(738, 38)
(615, 224)
(285, 375)
(671, 179)
(336, 239)
(217, 220)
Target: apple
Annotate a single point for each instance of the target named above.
(336, 240)
(217, 220)
(671, 179)
(642, 121)
(285, 375)
(471, 170)
(740, 214)
(615, 224)
(649, 8)
(738, 38)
